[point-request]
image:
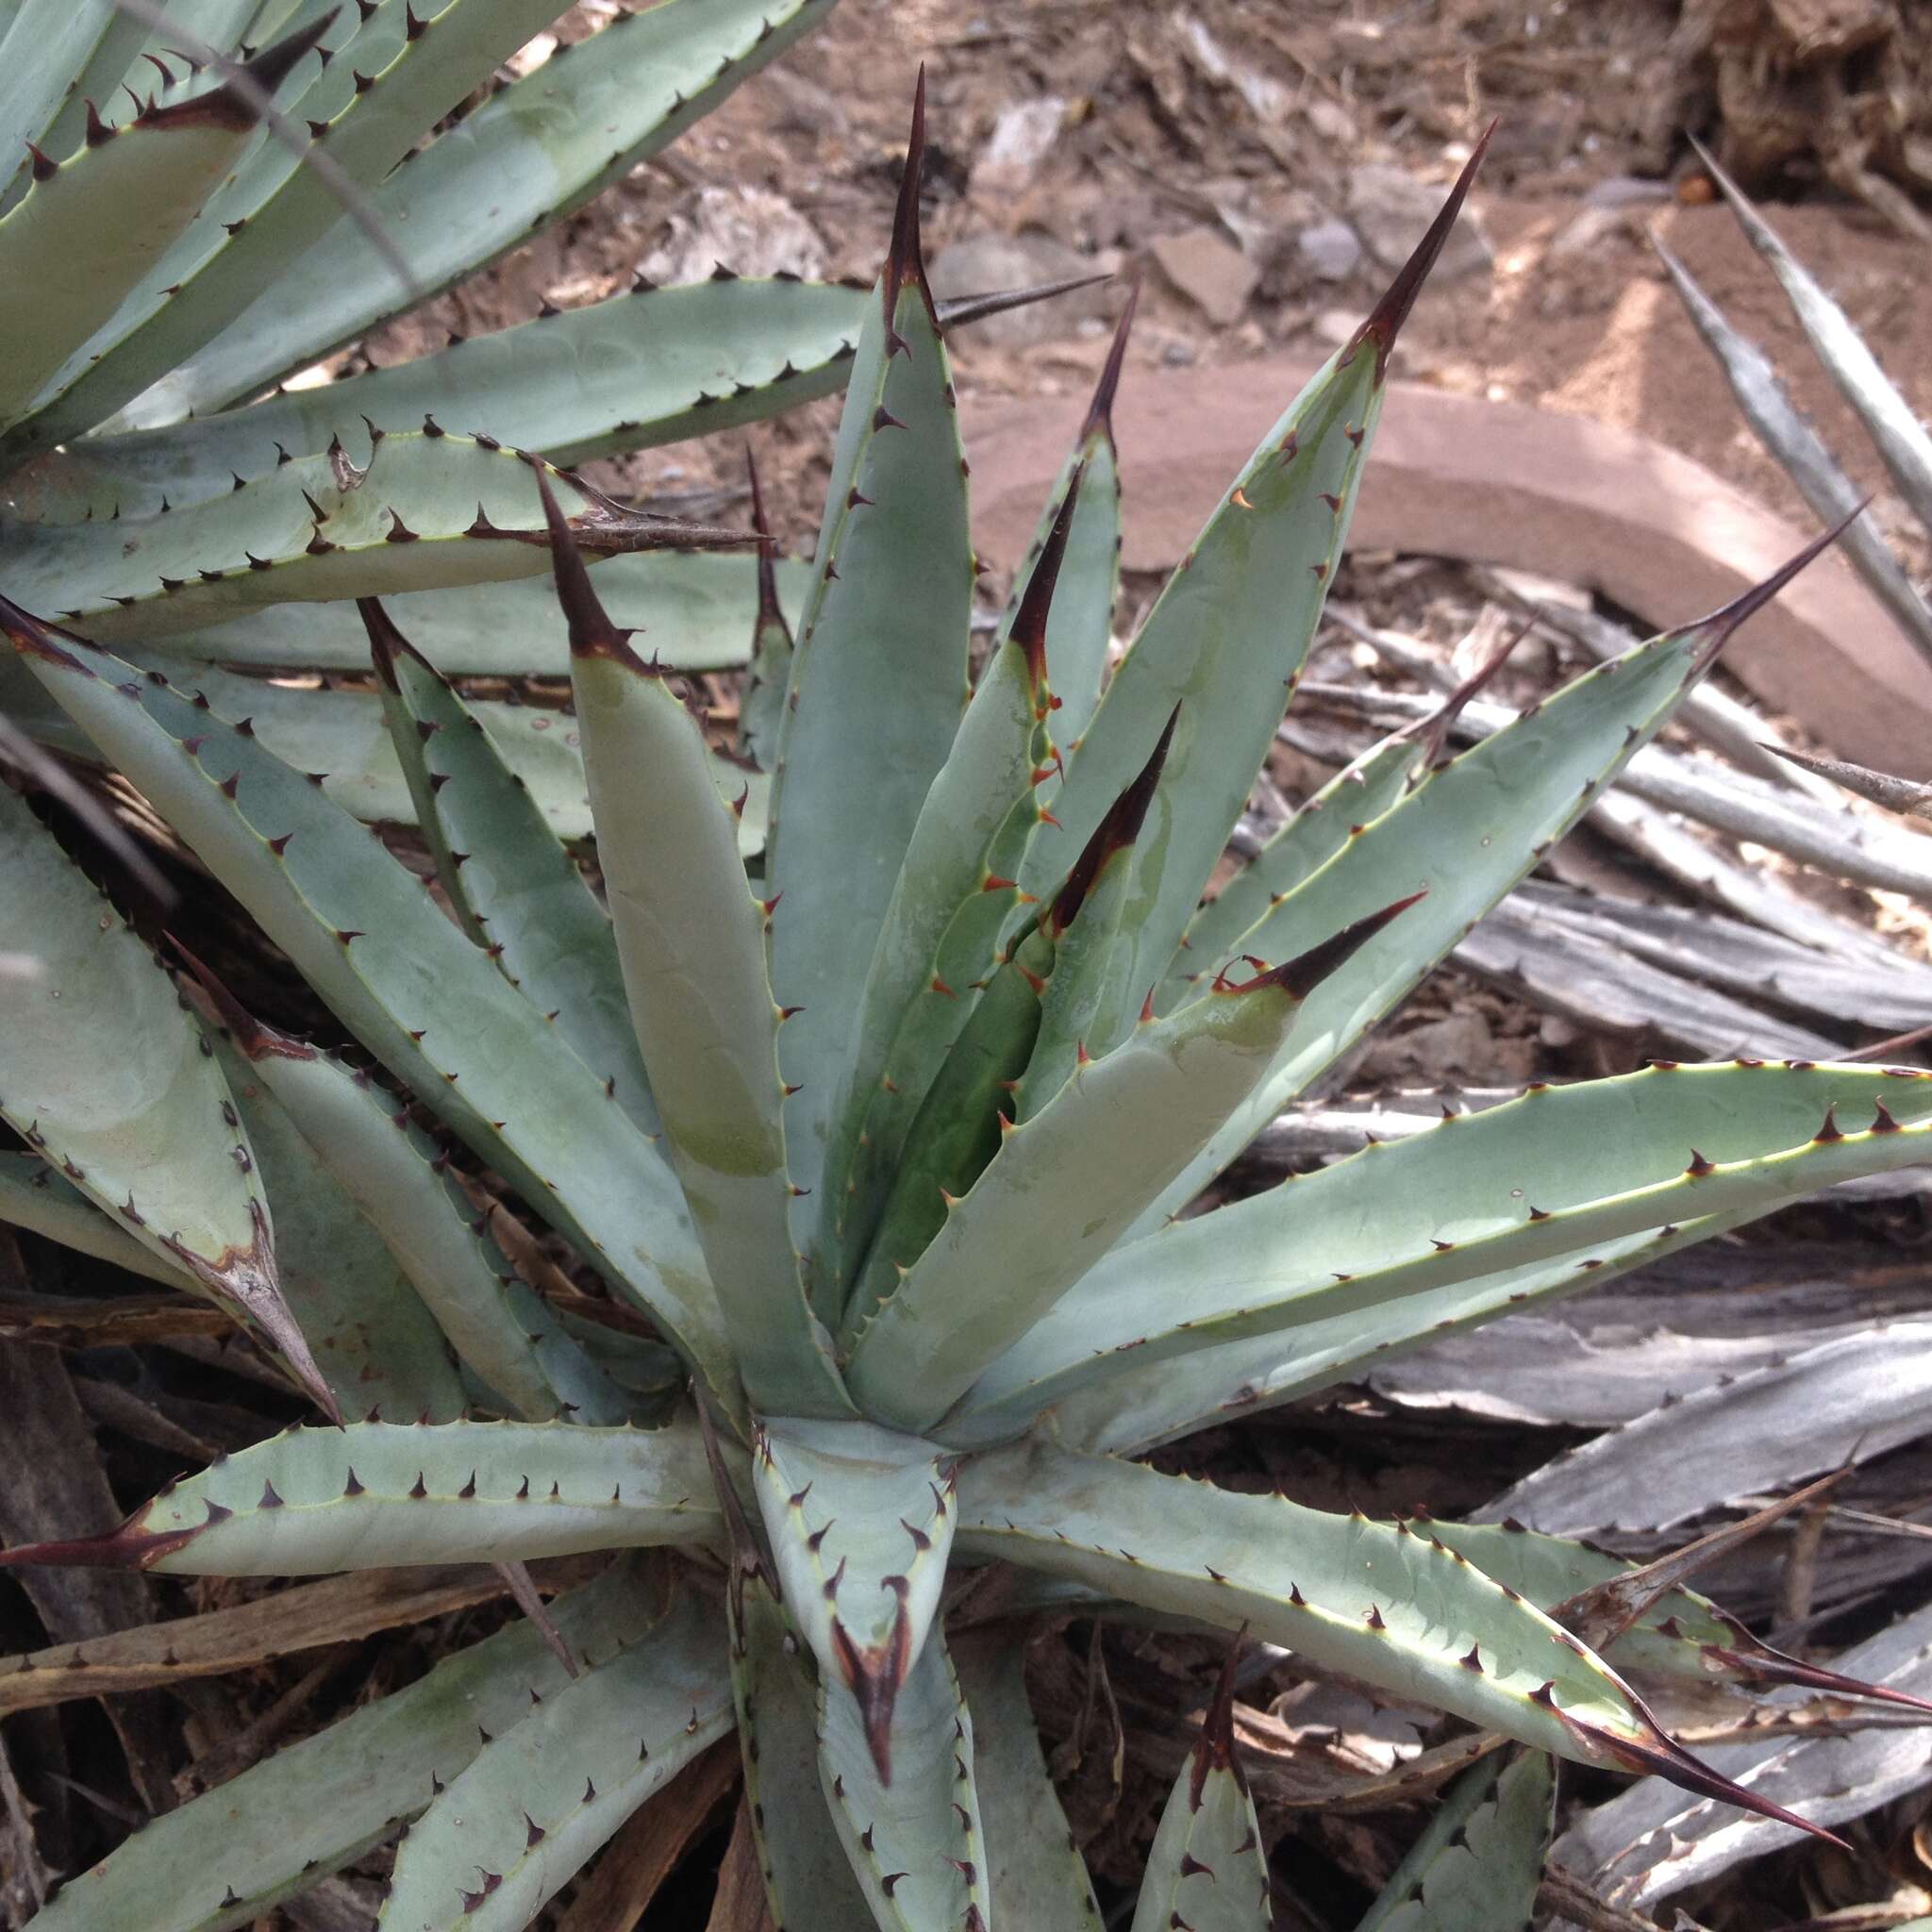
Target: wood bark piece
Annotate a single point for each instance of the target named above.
(648, 1849)
(740, 1904)
(68, 1495)
(1496, 483)
(305, 1618)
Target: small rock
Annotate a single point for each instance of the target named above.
(1620, 191)
(979, 264)
(1331, 121)
(1391, 210)
(1336, 326)
(750, 231)
(808, 108)
(1022, 137)
(1589, 228)
(1212, 273)
(1268, 100)
(1331, 251)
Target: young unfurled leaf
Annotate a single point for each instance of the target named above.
(1207, 1869)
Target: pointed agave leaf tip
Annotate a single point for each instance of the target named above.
(955, 311)
(1723, 624)
(386, 643)
(769, 610)
(1389, 314)
(1757, 231)
(592, 632)
(1434, 729)
(1668, 1760)
(238, 107)
(874, 1674)
(1298, 977)
(1216, 1749)
(905, 262)
(26, 633)
(125, 1548)
(1029, 621)
(1100, 410)
(247, 1278)
(1114, 833)
(1759, 1660)
(255, 1038)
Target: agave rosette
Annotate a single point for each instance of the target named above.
(887, 1139)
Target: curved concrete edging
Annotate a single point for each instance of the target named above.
(1500, 483)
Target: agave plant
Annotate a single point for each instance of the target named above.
(176, 242)
(891, 1144)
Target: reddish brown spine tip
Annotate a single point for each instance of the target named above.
(874, 1674)
(227, 105)
(1216, 1749)
(27, 634)
(1036, 603)
(253, 1038)
(386, 643)
(1434, 730)
(125, 1548)
(1723, 623)
(904, 260)
(592, 632)
(1100, 410)
(1386, 319)
(1882, 1122)
(98, 133)
(1115, 833)
(1699, 1166)
(44, 166)
(1759, 1661)
(1299, 976)
(1830, 1131)
(1668, 1760)
(769, 611)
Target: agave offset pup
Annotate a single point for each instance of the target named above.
(889, 1145)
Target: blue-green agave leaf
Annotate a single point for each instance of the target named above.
(373, 1494)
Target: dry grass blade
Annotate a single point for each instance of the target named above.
(1570, 1901)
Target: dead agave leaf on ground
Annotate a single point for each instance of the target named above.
(306, 1618)
(1854, 1397)
(1901, 796)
